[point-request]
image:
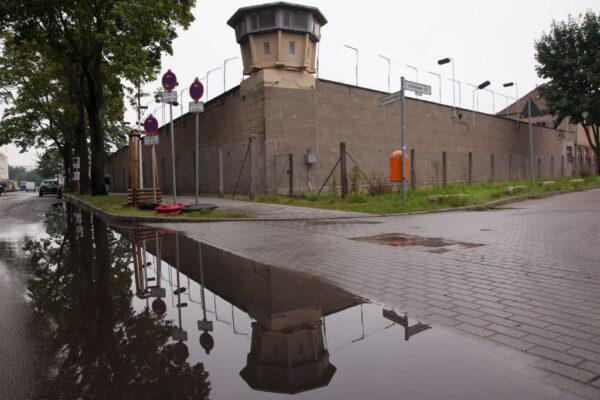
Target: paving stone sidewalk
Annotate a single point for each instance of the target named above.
(532, 287)
(266, 211)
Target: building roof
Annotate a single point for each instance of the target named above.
(244, 10)
(520, 107)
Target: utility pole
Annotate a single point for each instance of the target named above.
(403, 133)
(139, 128)
(531, 173)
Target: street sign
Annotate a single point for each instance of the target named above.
(196, 107)
(169, 97)
(76, 163)
(390, 98)
(151, 140)
(418, 88)
(151, 125)
(205, 326)
(169, 81)
(179, 335)
(158, 292)
(196, 90)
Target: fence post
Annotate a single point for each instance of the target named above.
(252, 168)
(413, 182)
(552, 166)
(344, 174)
(470, 176)
(510, 167)
(444, 169)
(291, 174)
(525, 163)
(562, 165)
(220, 168)
(539, 167)
(492, 168)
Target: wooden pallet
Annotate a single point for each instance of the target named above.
(136, 197)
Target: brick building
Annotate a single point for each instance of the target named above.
(281, 109)
(3, 166)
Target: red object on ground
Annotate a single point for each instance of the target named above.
(170, 209)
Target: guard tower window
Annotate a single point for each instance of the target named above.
(266, 19)
(300, 20)
(253, 22)
(292, 48)
(267, 48)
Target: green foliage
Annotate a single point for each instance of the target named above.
(48, 163)
(20, 174)
(567, 57)
(391, 203)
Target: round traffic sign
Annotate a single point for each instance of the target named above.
(151, 125)
(196, 90)
(169, 81)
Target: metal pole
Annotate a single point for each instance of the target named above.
(530, 141)
(389, 61)
(202, 281)
(518, 111)
(403, 132)
(416, 72)
(207, 77)
(197, 157)
(356, 64)
(154, 173)
(225, 72)
(440, 86)
(174, 183)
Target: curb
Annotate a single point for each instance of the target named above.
(476, 207)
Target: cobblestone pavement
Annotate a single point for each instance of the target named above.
(265, 211)
(531, 289)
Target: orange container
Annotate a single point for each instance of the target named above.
(396, 165)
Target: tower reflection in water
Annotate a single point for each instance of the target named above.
(289, 310)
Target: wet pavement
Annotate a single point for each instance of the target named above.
(531, 287)
(253, 310)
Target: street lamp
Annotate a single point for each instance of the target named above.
(479, 87)
(356, 64)
(440, 86)
(416, 77)
(225, 72)
(451, 61)
(389, 61)
(509, 84)
(207, 76)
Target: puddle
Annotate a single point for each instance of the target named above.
(153, 314)
(401, 240)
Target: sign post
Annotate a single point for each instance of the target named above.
(169, 82)
(419, 89)
(196, 92)
(151, 126)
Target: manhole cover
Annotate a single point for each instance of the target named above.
(399, 239)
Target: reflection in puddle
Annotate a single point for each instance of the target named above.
(149, 313)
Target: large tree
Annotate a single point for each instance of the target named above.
(569, 58)
(107, 42)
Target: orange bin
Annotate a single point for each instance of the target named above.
(396, 165)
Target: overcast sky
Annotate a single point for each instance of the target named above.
(489, 40)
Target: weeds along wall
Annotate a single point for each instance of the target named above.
(295, 121)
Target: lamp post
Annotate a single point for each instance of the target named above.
(225, 72)
(356, 64)
(444, 61)
(506, 97)
(509, 84)
(207, 77)
(389, 61)
(479, 87)
(440, 83)
(493, 101)
(416, 72)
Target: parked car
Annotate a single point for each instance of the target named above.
(48, 186)
(23, 185)
(2, 190)
(30, 186)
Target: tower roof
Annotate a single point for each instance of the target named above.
(282, 4)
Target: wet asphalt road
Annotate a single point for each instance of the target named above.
(22, 359)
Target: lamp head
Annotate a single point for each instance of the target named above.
(508, 84)
(444, 61)
(483, 85)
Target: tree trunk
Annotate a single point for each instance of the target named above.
(94, 101)
(67, 156)
(81, 139)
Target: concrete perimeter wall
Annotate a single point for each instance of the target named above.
(294, 121)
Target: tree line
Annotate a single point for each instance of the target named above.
(67, 67)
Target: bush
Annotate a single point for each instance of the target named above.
(311, 196)
(357, 198)
(379, 185)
